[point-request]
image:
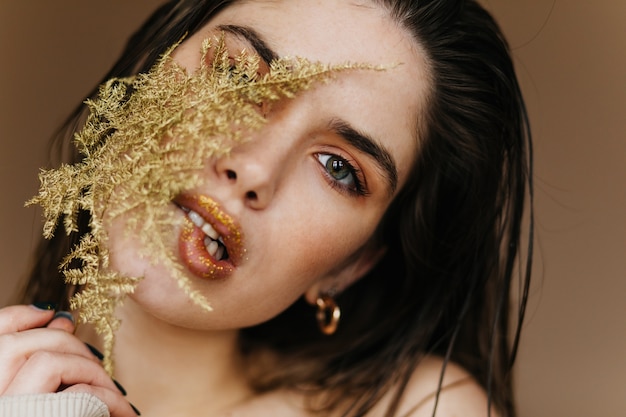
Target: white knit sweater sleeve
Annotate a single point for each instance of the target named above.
(62, 404)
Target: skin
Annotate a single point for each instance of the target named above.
(326, 243)
(303, 233)
(38, 354)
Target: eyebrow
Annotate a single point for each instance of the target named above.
(255, 40)
(359, 140)
(371, 147)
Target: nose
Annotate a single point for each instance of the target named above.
(251, 173)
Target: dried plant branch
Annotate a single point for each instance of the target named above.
(145, 141)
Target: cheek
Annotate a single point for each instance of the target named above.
(130, 255)
(123, 255)
(322, 229)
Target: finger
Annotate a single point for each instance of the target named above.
(62, 320)
(50, 371)
(21, 317)
(17, 348)
(25, 344)
(118, 406)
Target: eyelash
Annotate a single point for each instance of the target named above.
(357, 189)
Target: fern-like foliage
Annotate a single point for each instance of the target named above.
(145, 141)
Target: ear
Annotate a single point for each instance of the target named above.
(357, 265)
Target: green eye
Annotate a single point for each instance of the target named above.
(337, 167)
(341, 173)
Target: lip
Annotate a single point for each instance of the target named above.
(191, 240)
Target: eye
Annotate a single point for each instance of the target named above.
(239, 64)
(236, 76)
(342, 174)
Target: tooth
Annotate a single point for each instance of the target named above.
(211, 247)
(195, 218)
(210, 231)
(219, 253)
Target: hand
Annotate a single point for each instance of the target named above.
(40, 354)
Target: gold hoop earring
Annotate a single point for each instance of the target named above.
(328, 314)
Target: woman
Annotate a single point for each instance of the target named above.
(396, 195)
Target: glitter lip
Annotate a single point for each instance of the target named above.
(191, 240)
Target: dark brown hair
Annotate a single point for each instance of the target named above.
(453, 233)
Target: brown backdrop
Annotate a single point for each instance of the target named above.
(571, 57)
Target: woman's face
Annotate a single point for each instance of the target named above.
(297, 205)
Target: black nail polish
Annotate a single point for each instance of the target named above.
(95, 351)
(45, 306)
(135, 409)
(65, 315)
(119, 387)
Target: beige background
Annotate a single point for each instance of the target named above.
(571, 57)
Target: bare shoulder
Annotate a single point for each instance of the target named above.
(461, 395)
